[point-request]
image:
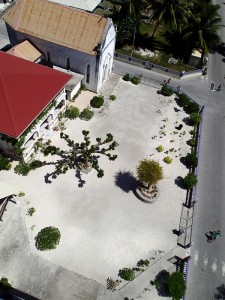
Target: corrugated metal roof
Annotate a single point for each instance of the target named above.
(26, 51)
(88, 5)
(58, 24)
(26, 89)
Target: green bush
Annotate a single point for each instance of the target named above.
(191, 160)
(192, 107)
(143, 263)
(72, 112)
(112, 97)
(192, 143)
(86, 114)
(22, 169)
(176, 285)
(166, 91)
(48, 238)
(4, 163)
(135, 80)
(127, 274)
(190, 181)
(31, 211)
(195, 118)
(160, 148)
(183, 100)
(97, 101)
(4, 283)
(167, 160)
(35, 164)
(126, 77)
(21, 194)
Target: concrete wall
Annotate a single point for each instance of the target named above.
(107, 54)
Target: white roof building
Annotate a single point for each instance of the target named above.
(88, 5)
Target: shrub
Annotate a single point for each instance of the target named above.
(21, 194)
(192, 107)
(97, 101)
(31, 211)
(143, 263)
(149, 172)
(160, 148)
(127, 274)
(112, 284)
(112, 97)
(135, 80)
(195, 118)
(4, 163)
(176, 285)
(126, 77)
(72, 112)
(22, 169)
(86, 114)
(192, 143)
(183, 100)
(36, 164)
(4, 283)
(191, 160)
(190, 181)
(48, 238)
(167, 91)
(167, 160)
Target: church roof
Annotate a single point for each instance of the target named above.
(88, 5)
(26, 51)
(26, 89)
(58, 24)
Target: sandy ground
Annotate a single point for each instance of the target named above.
(103, 226)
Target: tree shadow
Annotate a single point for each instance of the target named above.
(161, 285)
(183, 161)
(179, 181)
(186, 121)
(176, 232)
(126, 181)
(220, 292)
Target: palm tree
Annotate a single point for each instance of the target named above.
(204, 24)
(171, 13)
(131, 8)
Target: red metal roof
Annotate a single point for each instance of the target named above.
(26, 89)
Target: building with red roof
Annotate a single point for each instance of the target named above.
(26, 91)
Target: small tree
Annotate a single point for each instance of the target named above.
(190, 181)
(72, 112)
(166, 91)
(86, 114)
(195, 118)
(191, 160)
(127, 274)
(48, 238)
(5, 284)
(183, 100)
(176, 285)
(97, 101)
(149, 172)
(85, 153)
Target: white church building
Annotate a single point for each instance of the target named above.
(67, 37)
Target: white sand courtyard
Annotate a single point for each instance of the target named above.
(105, 227)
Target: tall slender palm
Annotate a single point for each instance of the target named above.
(172, 13)
(203, 27)
(131, 8)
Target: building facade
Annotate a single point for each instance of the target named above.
(77, 40)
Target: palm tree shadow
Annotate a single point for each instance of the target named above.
(179, 181)
(126, 181)
(220, 292)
